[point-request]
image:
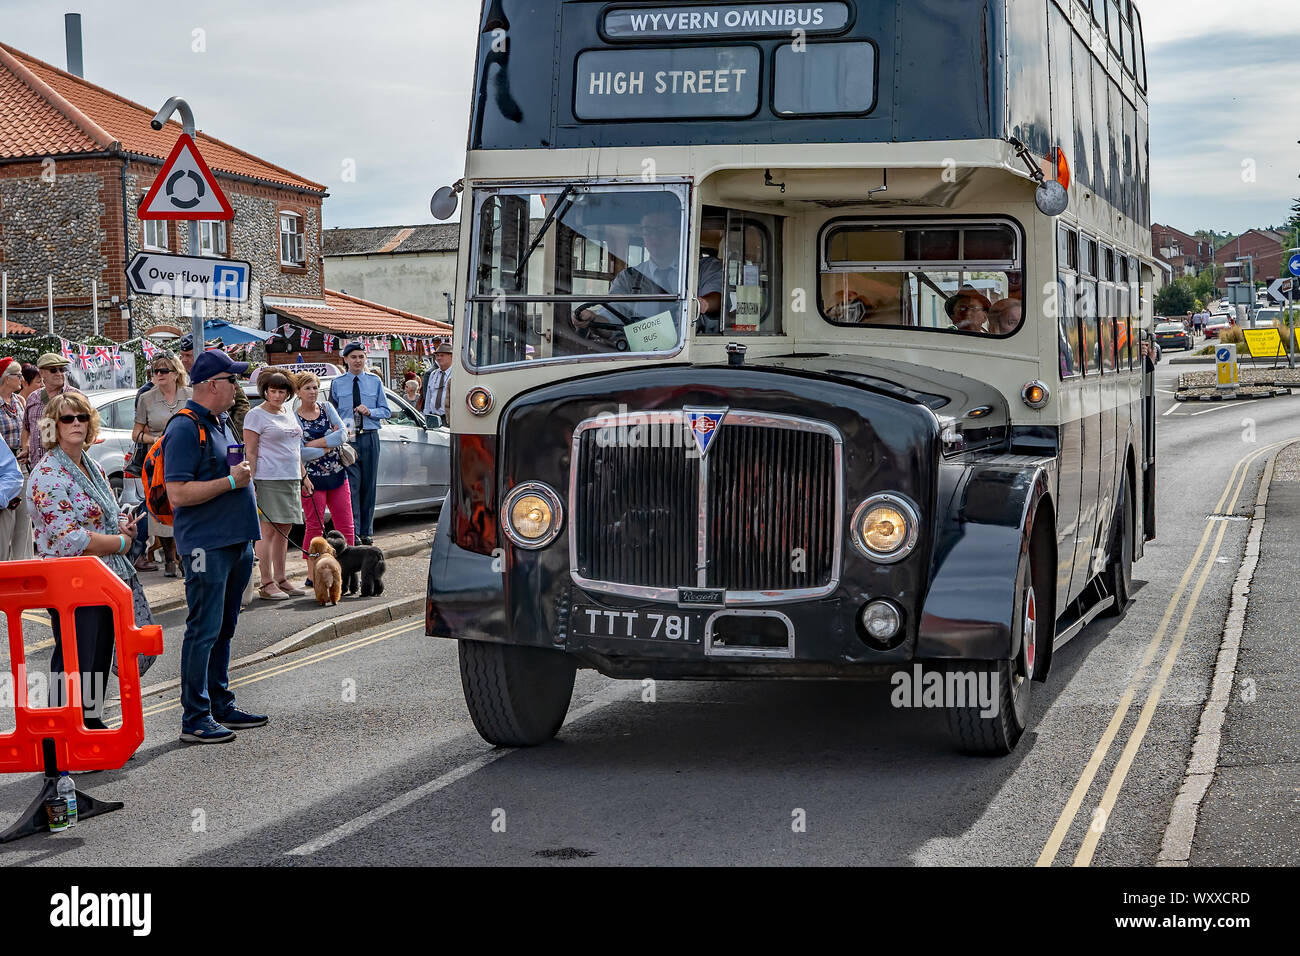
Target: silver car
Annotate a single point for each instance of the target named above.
(414, 457)
(114, 447)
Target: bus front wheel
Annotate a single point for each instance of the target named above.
(517, 696)
(992, 723)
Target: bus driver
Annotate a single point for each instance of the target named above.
(661, 232)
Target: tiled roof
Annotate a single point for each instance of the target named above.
(352, 316)
(17, 328)
(371, 240)
(45, 111)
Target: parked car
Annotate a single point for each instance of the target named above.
(1173, 335)
(114, 447)
(414, 457)
(1266, 318)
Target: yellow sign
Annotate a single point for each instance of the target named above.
(1264, 343)
(1226, 358)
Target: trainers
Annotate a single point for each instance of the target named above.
(207, 732)
(239, 720)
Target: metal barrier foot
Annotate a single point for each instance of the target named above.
(34, 819)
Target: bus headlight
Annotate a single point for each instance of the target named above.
(533, 515)
(479, 400)
(885, 528)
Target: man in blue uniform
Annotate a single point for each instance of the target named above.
(359, 398)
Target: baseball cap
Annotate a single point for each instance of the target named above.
(211, 364)
(51, 360)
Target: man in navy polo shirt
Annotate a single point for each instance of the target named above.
(216, 525)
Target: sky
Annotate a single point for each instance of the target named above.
(372, 99)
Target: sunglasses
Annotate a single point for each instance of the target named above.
(69, 419)
(163, 371)
(224, 378)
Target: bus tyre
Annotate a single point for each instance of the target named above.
(1119, 572)
(517, 696)
(1009, 683)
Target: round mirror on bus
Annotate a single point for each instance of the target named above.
(444, 203)
(1051, 198)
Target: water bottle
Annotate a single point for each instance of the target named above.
(68, 793)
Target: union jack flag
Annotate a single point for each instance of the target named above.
(118, 361)
(84, 359)
(304, 336)
(103, 355)
(66, 348)
(329, 342)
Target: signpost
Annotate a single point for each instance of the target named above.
(189, 277)
(186, 189)
(1226, 361)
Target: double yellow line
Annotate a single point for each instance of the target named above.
(276, 670)
(1236, 482)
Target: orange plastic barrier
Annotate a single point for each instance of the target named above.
(65, 584)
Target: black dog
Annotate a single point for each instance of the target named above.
(363, 560)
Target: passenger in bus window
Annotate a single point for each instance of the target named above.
(1004, 316)
(660, 275)
(969, 310)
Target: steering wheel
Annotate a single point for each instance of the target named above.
(597, 323)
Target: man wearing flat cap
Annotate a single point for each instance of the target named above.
(436, 385)
(53, 368)
(359, 398)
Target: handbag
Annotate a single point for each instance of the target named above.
(348, 454)
(136, 464)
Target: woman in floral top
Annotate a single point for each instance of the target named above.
(15, 525)
(74, 513)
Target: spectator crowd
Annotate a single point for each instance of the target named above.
(219, 487)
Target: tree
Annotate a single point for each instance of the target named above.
(1175, 299)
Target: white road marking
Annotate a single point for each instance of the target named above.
(1225, 405)
(1171, 409)
(345, 830)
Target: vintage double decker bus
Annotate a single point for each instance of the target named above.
(796, 341)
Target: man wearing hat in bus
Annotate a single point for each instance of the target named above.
(436, 383)
(359, 398)
(969, 310)
(661, 236)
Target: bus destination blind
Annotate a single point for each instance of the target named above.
(701, 21)
(697, 83)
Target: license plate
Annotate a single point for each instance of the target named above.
(672, 627)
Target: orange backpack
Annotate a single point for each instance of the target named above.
(153, 471)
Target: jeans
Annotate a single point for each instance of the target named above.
(363, 475)
(214, 584)
(339, 502)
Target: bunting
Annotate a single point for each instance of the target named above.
(84, 359)
(103, 355)
(65, 347)
(118, 361)
(329, 342)
(304, 337)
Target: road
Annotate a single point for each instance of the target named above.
(371, 757)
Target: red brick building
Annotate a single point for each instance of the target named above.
(1187, 254)
(1265, 246)
(75, 162)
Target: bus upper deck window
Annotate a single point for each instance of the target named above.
(819, 79)
(931, 275)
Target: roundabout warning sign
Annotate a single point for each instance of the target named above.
(186, 188)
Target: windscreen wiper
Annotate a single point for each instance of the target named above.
(561, 204)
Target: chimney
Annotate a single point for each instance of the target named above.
(72, 38)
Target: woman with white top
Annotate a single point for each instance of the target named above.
(273, 440)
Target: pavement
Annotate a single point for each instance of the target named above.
(166, 594)
(1250, 810)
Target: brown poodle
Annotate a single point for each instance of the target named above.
(326, 575)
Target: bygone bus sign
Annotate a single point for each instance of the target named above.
(696, 21)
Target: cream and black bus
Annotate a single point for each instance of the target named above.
(795, 341)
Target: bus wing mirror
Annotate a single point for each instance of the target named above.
(1051, 198)
(444, 203)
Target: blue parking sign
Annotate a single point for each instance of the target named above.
(228, 281)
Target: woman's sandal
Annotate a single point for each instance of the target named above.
(288, 588)
(264, 592)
